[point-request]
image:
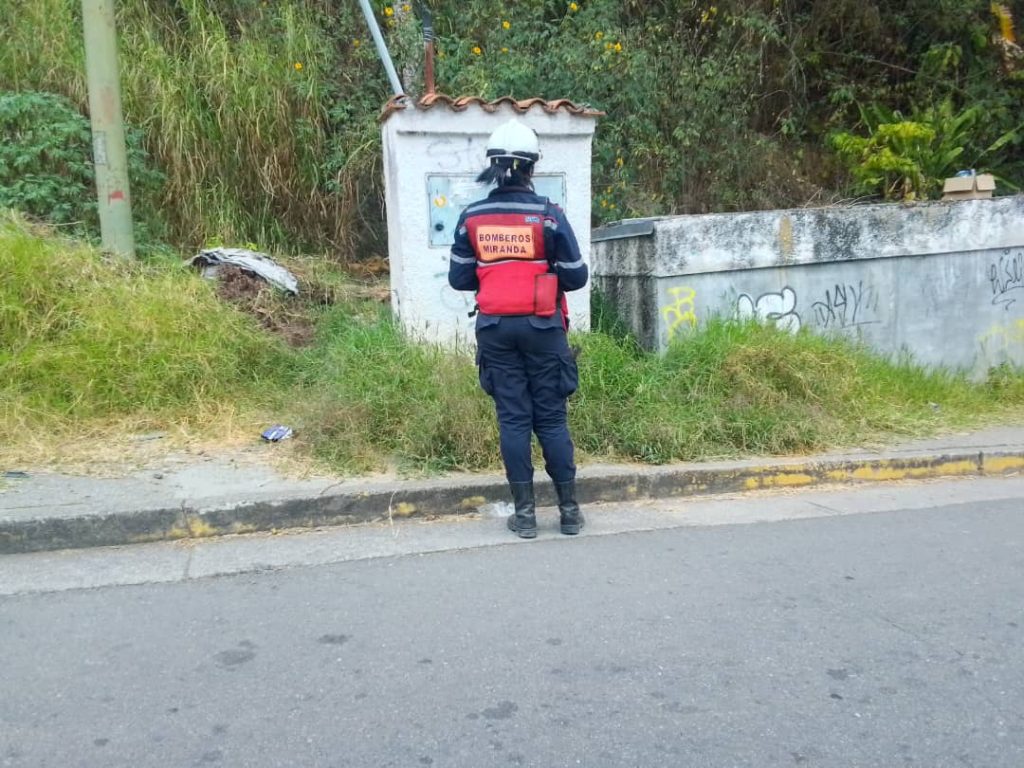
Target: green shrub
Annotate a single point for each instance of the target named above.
(46, 167)
(908, 159)
(45, 159)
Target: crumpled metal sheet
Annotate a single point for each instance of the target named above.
(260, 264)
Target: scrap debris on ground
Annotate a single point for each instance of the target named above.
(283, 303)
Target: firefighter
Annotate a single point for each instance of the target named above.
(518, 252)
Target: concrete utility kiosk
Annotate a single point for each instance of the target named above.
(943, 281)
(433, 150)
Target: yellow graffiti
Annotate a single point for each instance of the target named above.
(681, 311)
(1003, 336)
(440, 201)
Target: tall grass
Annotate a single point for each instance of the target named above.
(86, 341)
(85, 338)
(370, 399)
(729, 390)
(42, 48)
(735, 389)
(235, 99)
(235, 114)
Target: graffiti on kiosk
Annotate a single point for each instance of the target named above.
(778, 308)
(1005, 276)
(452, 155)
(846, 305)
(681, 312)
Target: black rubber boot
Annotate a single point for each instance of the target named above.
(569, 511)
(523, 521)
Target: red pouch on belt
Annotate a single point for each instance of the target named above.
(545, 294)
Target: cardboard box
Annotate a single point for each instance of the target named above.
(974, 187)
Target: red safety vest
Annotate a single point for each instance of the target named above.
(510, 255)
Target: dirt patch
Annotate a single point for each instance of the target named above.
(285, 316)
(293, 318)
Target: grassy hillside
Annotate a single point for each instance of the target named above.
(93, 350)
(261, 115)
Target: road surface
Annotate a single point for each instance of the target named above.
(855, 627)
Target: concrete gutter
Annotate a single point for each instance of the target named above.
(62, 526)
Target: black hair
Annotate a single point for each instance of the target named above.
(507, 172)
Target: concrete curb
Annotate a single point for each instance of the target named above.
(432, 498)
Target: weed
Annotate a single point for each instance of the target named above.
(89, 345)
(83, 337)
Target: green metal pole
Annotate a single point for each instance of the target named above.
(109, 155)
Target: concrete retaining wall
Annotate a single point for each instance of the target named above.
(943, 281)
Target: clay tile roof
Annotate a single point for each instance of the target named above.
(460, 103)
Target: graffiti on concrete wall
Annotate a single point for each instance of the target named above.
(778, 308)
(1006, 278)
(846, 305)
(1001, 336)
(680, 313)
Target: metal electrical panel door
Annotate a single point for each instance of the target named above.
(449, 194)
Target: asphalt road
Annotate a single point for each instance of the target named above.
(894, 638)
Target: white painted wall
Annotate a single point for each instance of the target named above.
(419, 143)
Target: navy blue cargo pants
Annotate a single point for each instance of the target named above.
(529, 371)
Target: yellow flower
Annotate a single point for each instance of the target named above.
(618, 47)
(504, 50)
(604, 203)
(406, 8)
(476, 50)
(598, 35)
(573, 7)
(611, 206)
(618, 162)
(298, 66)
(506, 24)
(389, 11)
(607, 46)
(356, 43)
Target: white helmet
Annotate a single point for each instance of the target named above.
(514, 140)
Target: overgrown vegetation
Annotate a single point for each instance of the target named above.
(263, 115)
(86, 342)
(907, 159)
(85, 338)
(255, 122)
(46, 165)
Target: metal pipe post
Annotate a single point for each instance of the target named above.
(427, 20)
(382, 49)
(110, 157)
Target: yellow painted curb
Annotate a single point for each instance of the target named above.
(1001, 465)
